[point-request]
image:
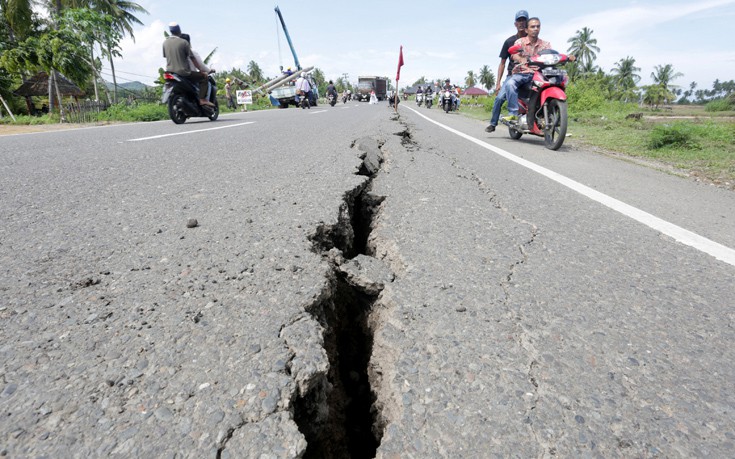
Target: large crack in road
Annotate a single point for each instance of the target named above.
(335, 409)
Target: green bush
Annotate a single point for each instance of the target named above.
(677, 135)
(721, 105)
(31, 120)
(141, 112)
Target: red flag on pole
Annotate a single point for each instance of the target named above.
(400, 64)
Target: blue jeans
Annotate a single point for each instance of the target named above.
(514, 82)
(501, 97)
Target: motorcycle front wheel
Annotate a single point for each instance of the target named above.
(176, 109)
(556, 130)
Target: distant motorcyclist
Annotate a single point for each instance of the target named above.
(449, 89)
(303, 87)
(428, 94)
(331, 89)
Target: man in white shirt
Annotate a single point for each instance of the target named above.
(302, 86)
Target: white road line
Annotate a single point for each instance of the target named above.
(701, 243)
(318, 111)
(189, 132)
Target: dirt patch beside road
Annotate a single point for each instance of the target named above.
(11, 129)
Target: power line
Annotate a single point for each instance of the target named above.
(129, 73)
(120, 78)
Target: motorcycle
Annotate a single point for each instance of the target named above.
(419, 98)
(448, 100)
(182, 98)
(303, 100)
(542, 105)
(331, 99)
(429, 100)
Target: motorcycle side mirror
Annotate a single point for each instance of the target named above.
(515, 49)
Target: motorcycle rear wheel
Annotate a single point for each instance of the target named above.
(556, 131)
(215, 115)
(176, 109)
(514, 133)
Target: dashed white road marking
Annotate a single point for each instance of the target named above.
(189, 132)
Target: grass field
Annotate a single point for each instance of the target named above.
(686, 138)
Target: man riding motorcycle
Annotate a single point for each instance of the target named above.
(177, 52)
(449, 89)
(523, 72)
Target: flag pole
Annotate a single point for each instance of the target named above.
(398, 77)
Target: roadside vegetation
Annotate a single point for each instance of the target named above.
(692, 140)
(687, 131)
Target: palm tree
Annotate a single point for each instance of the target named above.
(664, 74)
(123, 14)
(583, 46)
(255, 72)
(469, 81)
(487, 77)
(625, 76)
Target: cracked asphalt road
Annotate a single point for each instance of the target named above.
(522, 318)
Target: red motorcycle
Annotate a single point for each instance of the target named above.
(544, 98)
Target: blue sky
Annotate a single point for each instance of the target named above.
(363, 38)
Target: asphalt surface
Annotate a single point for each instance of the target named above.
(344, 258)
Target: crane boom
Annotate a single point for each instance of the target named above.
(288, 37)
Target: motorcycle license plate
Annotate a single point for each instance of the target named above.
(167, 88)
(551, 72)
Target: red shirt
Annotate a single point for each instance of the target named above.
(529, 50)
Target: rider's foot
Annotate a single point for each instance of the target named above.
(490, 128)
(510, 118)
(205, 102)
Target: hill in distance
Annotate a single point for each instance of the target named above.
(136, 86)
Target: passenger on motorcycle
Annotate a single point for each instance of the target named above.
(196, 64)
(177, 52)
(500, 90)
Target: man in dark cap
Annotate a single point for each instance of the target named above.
(177, 52)
(500, 93)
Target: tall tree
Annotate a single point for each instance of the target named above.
(255, 72)
(625, 75)
(92, 27)
(584, 47)
(663, 75)
(123, 14)
(487, 77)
(625, 78)
(18, 15)
(470, 79)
